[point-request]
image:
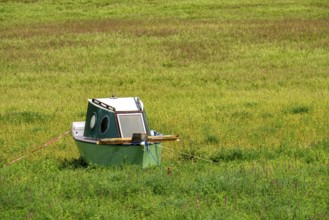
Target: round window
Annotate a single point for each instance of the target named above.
(93, 121)
(104, 124)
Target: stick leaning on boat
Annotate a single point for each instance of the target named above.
(129, 140)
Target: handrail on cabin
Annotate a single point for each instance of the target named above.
(102, 104)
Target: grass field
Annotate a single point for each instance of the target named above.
(244, 83)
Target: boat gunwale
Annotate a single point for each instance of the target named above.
(94, 141)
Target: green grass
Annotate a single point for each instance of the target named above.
(244, 84)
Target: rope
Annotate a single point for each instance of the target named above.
(149, 151)
(39, 148)
(67, 132)
(190, 155)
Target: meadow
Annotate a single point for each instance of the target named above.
(245, 84)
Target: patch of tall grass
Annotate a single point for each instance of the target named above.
(250, 189)
(244, 84)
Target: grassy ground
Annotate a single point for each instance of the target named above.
(244, 83)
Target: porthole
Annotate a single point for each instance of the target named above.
(93, 121)
(104, 124)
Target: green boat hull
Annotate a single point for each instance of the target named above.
(116, 155)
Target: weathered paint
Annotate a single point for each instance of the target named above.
(116, 155)
(100, 113)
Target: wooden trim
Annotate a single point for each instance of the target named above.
(128, 140)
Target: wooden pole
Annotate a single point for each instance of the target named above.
(150, 139)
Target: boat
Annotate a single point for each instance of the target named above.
(116, 132)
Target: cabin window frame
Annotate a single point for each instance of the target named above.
(119, 124)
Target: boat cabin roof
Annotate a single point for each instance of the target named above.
(120, 104)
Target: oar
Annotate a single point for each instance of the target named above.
(150, 139)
